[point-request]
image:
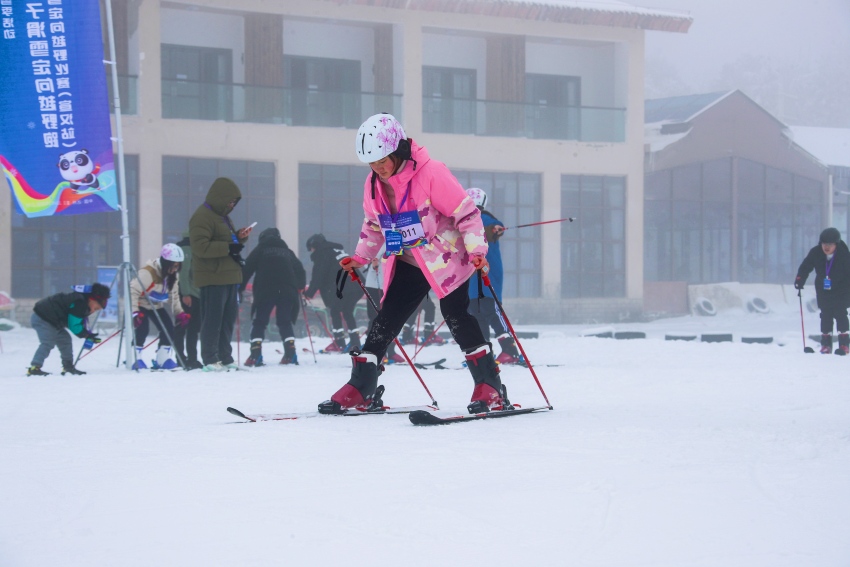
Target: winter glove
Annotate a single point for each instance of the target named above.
(183, 319)
(138, 317)
(799, 283)
(235, 248)
(91, 340)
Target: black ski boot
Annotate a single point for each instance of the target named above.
(826, 344)
(35, 370)
(353, 342)
(407, 337)
(289, 354)
(488, 390)
(362, 387)
(69, 368)
(843, 344)
(256, 356)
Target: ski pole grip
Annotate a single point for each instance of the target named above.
(486, 279)
(352, 273)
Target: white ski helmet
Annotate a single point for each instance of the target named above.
(172, 253)
(378, 137)
(478, 196)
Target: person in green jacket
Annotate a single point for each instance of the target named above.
(190, 297)
(217, 270)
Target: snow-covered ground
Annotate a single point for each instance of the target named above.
(658, 453)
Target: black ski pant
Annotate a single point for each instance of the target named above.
(488, 315)
(163, 324)
(830, 313)
(406, 292)
(283, 306)
(219, 310)
(188, 336)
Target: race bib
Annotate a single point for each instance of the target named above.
(401, 231)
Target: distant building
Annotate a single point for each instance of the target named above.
(832, 147)
(539, 103)
(728, 194)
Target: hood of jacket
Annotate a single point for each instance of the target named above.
(222, 191)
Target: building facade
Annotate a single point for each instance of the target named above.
(540, 104)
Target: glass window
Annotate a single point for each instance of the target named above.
(593, 250)
(687, 183)
(717, 180)
(49, 254)
(750, 181)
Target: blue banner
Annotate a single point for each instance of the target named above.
(55, 134)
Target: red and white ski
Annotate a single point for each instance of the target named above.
(385, 410)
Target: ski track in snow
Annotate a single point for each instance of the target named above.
(658, 453)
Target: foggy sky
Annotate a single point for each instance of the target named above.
(802, 33)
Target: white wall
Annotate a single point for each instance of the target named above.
(457, 52)
(594, 64)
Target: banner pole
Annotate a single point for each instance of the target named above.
(122, 189)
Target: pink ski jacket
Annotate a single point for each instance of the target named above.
(450, 220)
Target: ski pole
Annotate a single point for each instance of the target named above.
(321, 321)
(97, 346)
(806, 349)
(571, 219)
(431, 336)
(307, 325)
(486, 279)
(238, 327)
(356, 277)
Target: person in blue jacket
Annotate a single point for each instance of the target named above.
(485, 309)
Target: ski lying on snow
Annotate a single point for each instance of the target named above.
(428, 418)
(348, 413)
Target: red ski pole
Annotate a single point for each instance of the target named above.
(431, 336)
(97, 346)
(356, 277)
(571, 219)
(486, 279)
(307, 325)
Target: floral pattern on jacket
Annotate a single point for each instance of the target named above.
(452, 223)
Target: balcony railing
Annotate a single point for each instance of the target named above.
(520, 120)
(272, 105)
(128, 89)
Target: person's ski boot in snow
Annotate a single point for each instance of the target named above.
(353, 342)
(256, 356)
(359, 392)
(289, 354)
(432, 338)
(338, 344)
(509, 354)
(35, 370)
(488, 393)
(69, 368)
(843, 344)
(164, 361)
(826, 344)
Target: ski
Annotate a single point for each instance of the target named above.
(437, 365)
(385, 410)
(428, 418)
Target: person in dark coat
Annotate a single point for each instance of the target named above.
(54, 314)
(326, 256)
(278, 276)
(217, 270)
(190, 299)
(830, 260)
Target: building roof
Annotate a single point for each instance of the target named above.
(680, 108)
(612, 13)
(829, 145)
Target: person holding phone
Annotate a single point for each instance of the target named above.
(217, 270)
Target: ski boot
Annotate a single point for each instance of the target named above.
(843, 344)
(826, 344)
(139, 364)
(194, 364)
(338, 344)
(392, 357)
(353, 342)
(509, 354)
(487, 394)
(256, 356)
(359, 392)
(163, 359)
(434, 339)
(69, 368)
(35, 370)
(407, 337)
(214, 367)
(289, 354)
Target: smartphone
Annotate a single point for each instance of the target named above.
(253, 224)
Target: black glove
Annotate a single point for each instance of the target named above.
(799, 283)
(235, 248)
(93, 338)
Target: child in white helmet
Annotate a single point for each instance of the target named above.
(154, 288)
